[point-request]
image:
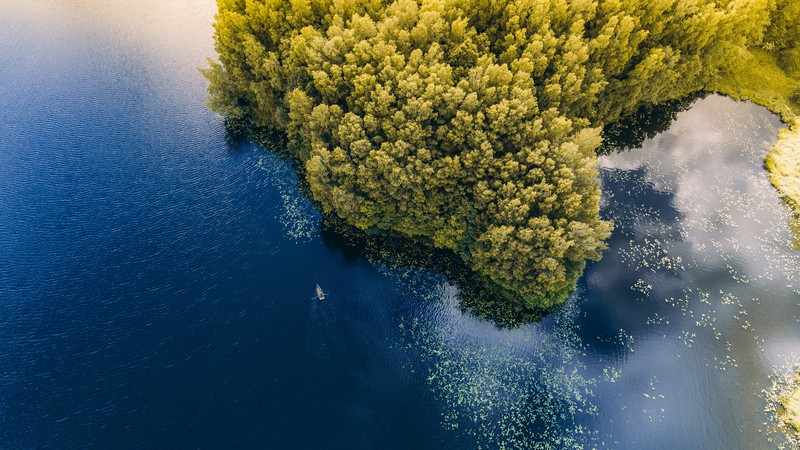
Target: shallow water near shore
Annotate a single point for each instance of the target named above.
(157, 279)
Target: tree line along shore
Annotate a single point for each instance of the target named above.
(473, 125)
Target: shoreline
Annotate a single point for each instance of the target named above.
(759, 79)
(790, 414)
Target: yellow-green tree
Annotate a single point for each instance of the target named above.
(783, 34)
(471, 125)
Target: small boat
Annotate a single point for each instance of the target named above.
(320, 294)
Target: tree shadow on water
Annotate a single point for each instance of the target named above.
(242, 131)
(631, 131)
(477, 295)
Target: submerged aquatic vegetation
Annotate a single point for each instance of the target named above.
(299, 218)
(528, 390)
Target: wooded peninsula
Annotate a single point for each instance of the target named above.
(473, 125)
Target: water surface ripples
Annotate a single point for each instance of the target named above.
(157, 278)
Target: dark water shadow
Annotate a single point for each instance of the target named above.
(477, 295)
(631, 131)
(241, 131)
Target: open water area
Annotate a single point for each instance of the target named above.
(157, 278)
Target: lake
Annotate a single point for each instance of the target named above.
(157, 278)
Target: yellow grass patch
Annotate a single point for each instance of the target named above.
(783, 163)
(791, 405)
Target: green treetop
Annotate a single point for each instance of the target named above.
(471, 125)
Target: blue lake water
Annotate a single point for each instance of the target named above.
(156, 278)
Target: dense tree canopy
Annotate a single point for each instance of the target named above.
(783, 34)
(470, 124)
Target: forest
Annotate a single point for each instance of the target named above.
(474, 125)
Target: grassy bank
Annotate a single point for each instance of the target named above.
(758, 77)
(791, 407)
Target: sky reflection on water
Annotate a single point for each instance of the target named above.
(156, 279)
